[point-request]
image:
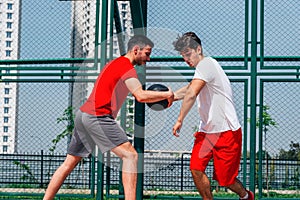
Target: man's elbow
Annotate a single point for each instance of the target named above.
(140, 98)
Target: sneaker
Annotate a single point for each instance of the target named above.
(250, 195)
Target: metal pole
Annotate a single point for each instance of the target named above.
(42, 167)
(245, 131)
(261, 59)
(100, 172)
(253, 93)
(139, 16)
(101, 17)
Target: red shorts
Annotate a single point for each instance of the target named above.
(224, 148)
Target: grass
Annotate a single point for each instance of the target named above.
(170, 195)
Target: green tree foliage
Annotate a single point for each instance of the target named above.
(267, 120)
(68, 119)
(292, 154)
(28, 175)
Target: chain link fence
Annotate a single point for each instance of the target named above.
(59, 57)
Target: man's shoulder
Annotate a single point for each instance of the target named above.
(207, 63)
(209, 59)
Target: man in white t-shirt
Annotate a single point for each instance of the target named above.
(219, 136)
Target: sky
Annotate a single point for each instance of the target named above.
(221, 26)
(45, 33)
(46, 29)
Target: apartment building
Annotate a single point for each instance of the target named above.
(9, 50)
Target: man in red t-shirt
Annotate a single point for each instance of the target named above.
(95, 123)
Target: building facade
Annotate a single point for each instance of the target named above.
(9, 50)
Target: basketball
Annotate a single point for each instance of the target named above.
(159, 105)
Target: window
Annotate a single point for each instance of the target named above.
(6, 100)
(5, 119)
(6, 109)
(8, 53)
(5, 148)
(6, 90)
(124, 6)
(8, 34)
(115, 51)
(5, 129)
(9, 15)
(8, 43)
(8, 24)
(5, 138)
(9, 6)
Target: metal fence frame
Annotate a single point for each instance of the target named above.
(157, 169)
(139, 10)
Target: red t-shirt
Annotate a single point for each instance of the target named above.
(110, 90)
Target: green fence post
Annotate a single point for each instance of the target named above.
(139, 20)
(260, 146)
(103, 34)
(253, 93)
(139, 140)
(245, 131)
(260, 150)
(245, 145)
(100, 172)
(101, 17)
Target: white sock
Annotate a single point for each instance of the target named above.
(246, 196)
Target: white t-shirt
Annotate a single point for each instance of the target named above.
(215, 104)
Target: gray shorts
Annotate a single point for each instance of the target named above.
(91, 131)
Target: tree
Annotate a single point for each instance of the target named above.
(292, 154)
(267, 121)
(68, 119)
